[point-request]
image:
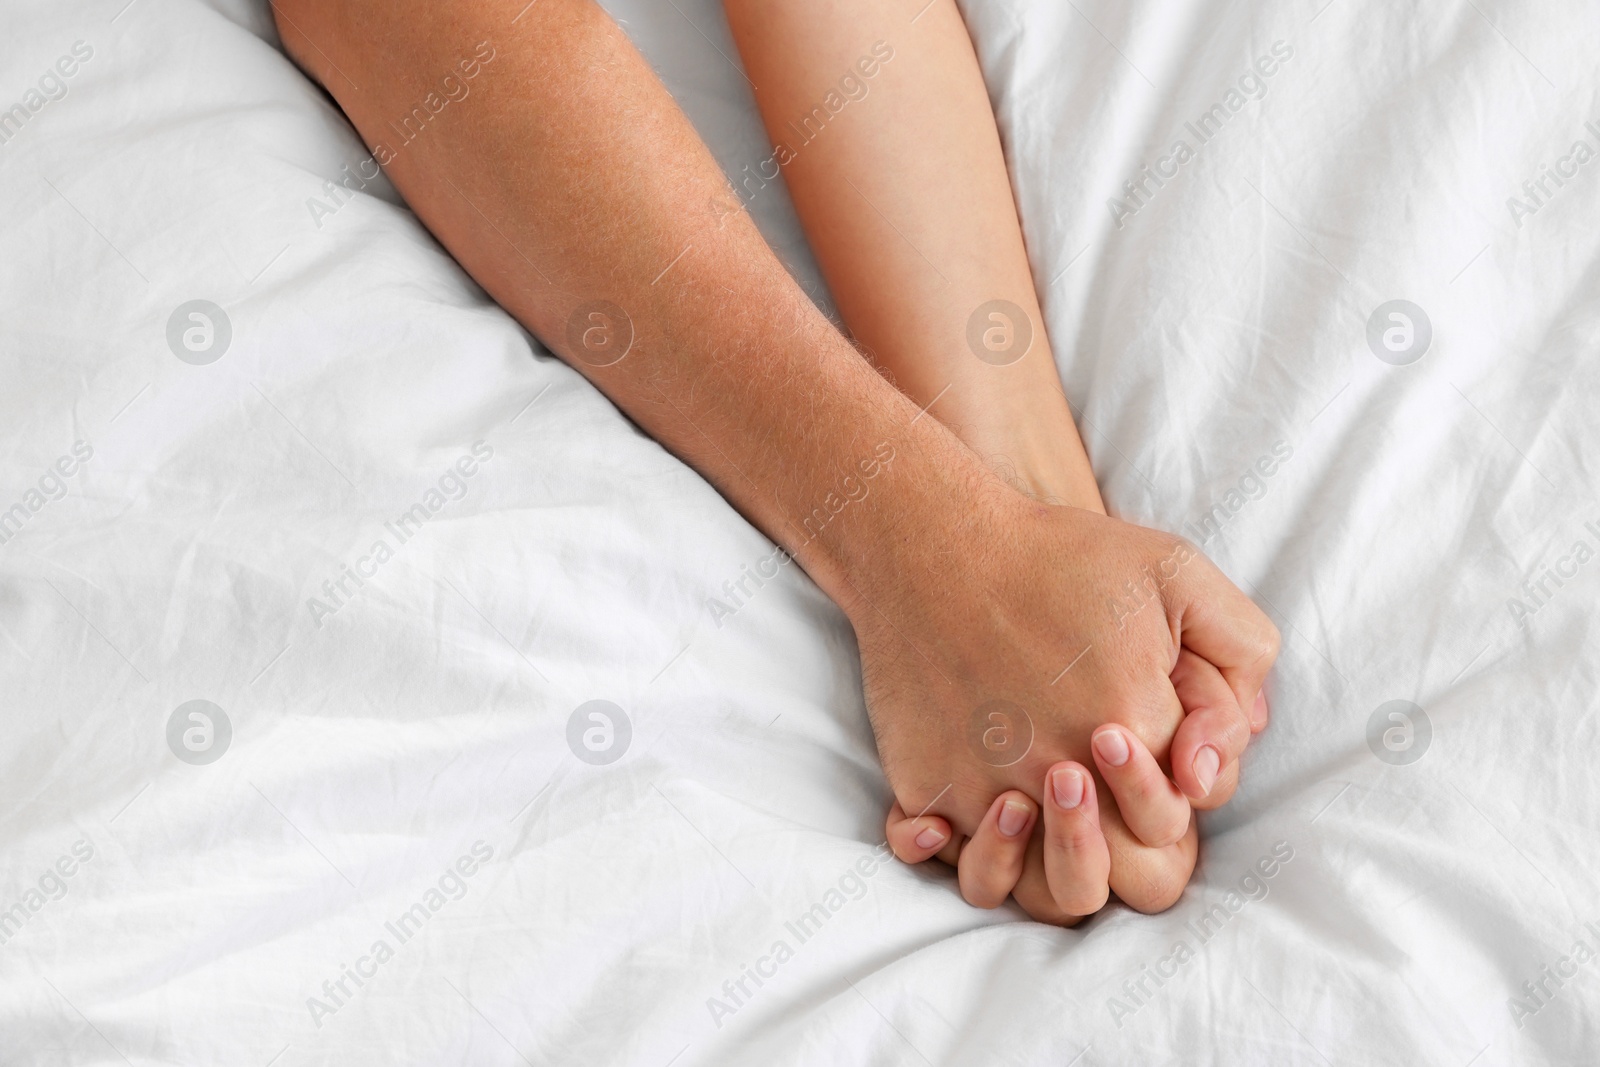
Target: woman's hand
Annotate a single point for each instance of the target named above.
(1088, 660)
(1071, 847)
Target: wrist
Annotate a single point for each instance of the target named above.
(923, 509)
(1032, 443)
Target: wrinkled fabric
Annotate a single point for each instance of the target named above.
(376, 693)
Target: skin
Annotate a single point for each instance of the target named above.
(906, 201)
(568, 177)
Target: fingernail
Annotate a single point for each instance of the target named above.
(1112, 746)
(1258, 714)
(1206, 765)
(1013, 817)
(1067, 784)
(930, 838)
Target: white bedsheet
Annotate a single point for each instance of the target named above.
(405, 744)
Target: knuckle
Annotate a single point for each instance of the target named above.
(1164, 891)
(1071, 835)
(1235, 721)
(1140, 786)
(1167, 830)
(973, 898)
(1155, 893)
(1051, 913)
(1127, 705)
(1226, 728)
(981, 893)
(1268, 643)
(1083, 900)
(1175, 555)
(1155, 882)
(1182, 548)
(1033, 895)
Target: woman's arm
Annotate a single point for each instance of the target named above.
(884, 133)
(885, 136)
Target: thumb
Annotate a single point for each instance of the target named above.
(1217, 622)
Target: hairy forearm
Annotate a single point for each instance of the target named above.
(904, 194)
(574, 190)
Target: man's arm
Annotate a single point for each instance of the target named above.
(572, 188)
(566, 180)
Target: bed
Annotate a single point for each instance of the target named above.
(364, 698)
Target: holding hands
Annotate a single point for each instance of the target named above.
(1053, 691)
(1031, 747)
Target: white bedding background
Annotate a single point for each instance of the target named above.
(404, 748)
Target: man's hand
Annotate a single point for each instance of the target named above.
(1024, 630)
